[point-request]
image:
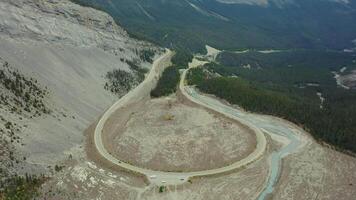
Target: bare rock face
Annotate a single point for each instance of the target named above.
(66, 49)
(60, 21)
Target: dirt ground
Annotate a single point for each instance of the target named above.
(89, 177)
(317, 172)
(87, 180)
(168, 135)
(314, 172)
(349, 80)
(236, 186)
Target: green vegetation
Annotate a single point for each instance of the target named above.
(119, 81)
(162, 189)
(21, 93)
(167, 84)
(138, 71)
(169, 80)
(289, 71)
(289, 92)
(288, 58)
(178, 24)
(182, 58)
(147, 55)
(58, 168)
(20, 188)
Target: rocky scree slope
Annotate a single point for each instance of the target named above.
(55, 57)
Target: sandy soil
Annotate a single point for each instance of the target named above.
(317, 173)
(94, 178)
(85, 179)
(314, 171)
(349, 80)
(237, 186)
(91, 177)
(88, 180)
(212, 53)
(161, 134)
(195, 63)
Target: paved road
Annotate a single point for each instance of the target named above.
(290, 135)
(191, 95)
(169, 178)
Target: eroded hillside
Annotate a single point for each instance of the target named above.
(55, 59)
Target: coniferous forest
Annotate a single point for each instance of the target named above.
(286, 92)
(169, 80)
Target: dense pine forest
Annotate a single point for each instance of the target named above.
(167, 84)
(169, 80)
(288, 92)
(193, 24)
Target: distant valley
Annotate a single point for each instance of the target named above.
(236, 24)
(177, 99)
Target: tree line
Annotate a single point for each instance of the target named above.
(335, 123)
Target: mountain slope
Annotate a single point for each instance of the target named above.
(232, 24)
(65, 51)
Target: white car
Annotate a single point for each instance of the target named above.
(153, 176)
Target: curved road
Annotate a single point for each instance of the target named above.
(290, 135)
(169, 178)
